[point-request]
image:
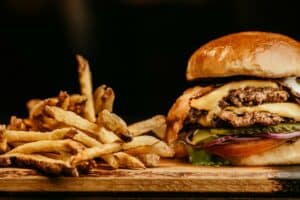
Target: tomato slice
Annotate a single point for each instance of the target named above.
(243, 149)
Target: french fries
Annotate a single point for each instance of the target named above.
(85, 80)
(150, 160)
(63, 100)
(160, 131)
(32, 136)
(113, 123)
(64, 156)
(48, 146)
(159, 148)
(71, 119)
(18, 124)
(143, 140)
(69, 133)
(3, 142)
(127, 161)
(104, 99)
(152, 124)
(91, 142)
(45, 164)
(77, 104)
(93, 152)
(32, 103)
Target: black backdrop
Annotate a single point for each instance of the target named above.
(138, 47)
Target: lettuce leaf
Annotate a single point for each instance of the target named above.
(201, 157)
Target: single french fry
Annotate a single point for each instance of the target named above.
(94, 152)
(32, 103)
(91, 142)
(129, 162)
(48, 146)
(77, 99)
(104, 99)
(85, 80)
(150, 160)
(38, 109)
(46, 165)
(148, 125)
(48, 123)
(17, 124)
(138, 141)
(3, 141)
(71, 119)
(64, 156)
(147, 149)
(112, 122)
(86, 139)
(63, 100)
(111, 160)
(160, 148)
(32, 136)
(77, 104)
(160, 132)
(107, 136)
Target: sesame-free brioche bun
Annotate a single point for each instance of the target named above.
(259, 54)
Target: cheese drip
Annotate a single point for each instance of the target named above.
(210, 102)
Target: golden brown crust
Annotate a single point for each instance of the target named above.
(180, 110)
(260, 54)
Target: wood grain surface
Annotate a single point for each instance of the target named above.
(174, 176)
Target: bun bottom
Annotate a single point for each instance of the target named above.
(285, 154)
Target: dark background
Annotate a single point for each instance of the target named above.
(138, 47)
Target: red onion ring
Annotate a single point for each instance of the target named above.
(246, 139)
(219, 141)
(283, 135)
(232, 138)
(187, 138)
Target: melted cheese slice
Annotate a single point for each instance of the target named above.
(210, 102)
(290, 110)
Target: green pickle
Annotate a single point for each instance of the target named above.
(200, 135)
(205, 135)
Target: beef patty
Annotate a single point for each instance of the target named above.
(251, 96)
(248, 119)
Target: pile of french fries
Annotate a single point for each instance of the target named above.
(71, 134)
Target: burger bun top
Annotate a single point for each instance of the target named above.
(259, 54)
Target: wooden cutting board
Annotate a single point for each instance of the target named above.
(173, 176)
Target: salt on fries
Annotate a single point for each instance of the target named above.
(70, 133)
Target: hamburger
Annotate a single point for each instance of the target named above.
(245, 108)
